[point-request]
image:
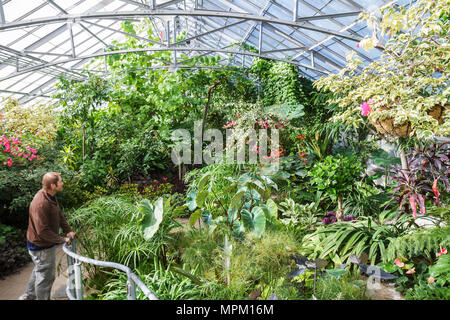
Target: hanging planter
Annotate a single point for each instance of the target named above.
(387, 125)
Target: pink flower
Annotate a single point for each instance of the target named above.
(411, 271)
(10, 162)
(357, 45)
(399, 262)
(431, 280)
(365, 109)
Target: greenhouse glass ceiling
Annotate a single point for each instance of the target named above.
(41, 40)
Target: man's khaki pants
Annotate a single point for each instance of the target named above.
(40, 284)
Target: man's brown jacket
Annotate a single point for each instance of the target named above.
(45, 220)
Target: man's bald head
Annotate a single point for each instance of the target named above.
(49, 179)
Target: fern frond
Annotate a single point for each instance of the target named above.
(424, 242)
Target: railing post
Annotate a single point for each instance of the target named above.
(78, 280)
(71, 272)
(131, 288)
(78, 290)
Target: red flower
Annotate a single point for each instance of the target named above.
(440, 253)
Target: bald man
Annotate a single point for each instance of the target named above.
(45, 220)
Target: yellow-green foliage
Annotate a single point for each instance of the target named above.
(38, 119)
(262, 260)
(411, 76)
(252, 260)
(198, 248)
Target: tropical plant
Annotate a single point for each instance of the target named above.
(340, 240)
(424, 280)
(432, 163)
(80, 99)
(299, 215)
(419, 242)
(408, 85)
(427, 167)
(335, 176)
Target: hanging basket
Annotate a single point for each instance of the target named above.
(387, 125)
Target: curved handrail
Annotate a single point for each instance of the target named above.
(136, 280)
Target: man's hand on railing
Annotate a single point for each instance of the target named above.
(70, 236)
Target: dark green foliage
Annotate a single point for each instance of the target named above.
(342, 239)
(19, 185)
(335, 175)
(13, 250)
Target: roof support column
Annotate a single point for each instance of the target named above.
(174, 40)
(69, 26)
(260, 37)
(2, 13)
(294, 17)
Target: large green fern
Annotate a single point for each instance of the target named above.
(425, 242)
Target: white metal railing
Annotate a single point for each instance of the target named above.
(74, 288)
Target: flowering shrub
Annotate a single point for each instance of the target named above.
(420, 281)
(23, 131)
(13, 151)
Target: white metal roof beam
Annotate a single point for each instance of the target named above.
(209, 32)
(297, 42)
(124, 33)
(386, 4)
(341, 25)
(150, 13)
(47, 65)
(261, 12)
(232, 6)
(22, 93)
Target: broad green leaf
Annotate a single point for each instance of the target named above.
(194, 217)
(273, 208)
(201, 197)
(153, 217)
(237, 197)
(259, 221)
(203, 181)
(179, 210)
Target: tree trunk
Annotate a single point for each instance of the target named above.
(205, 110)
(339, 212)
(84, 138)
(404, 160)
(227, 255)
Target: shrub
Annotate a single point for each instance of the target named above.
(13, 250)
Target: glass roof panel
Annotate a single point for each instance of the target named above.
(88, 5)
(205, 31)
